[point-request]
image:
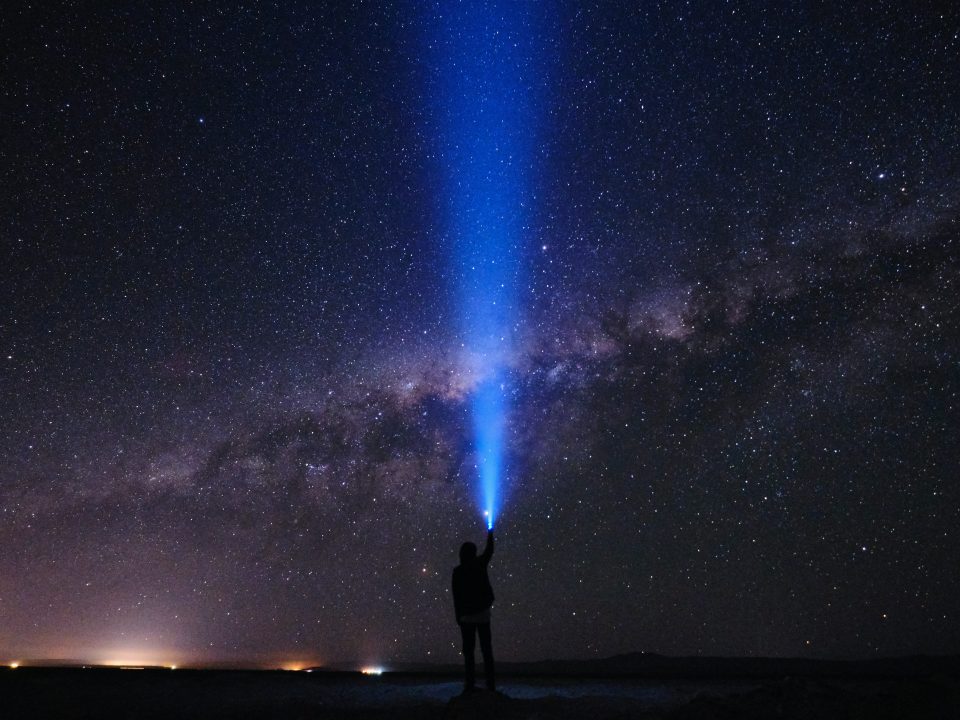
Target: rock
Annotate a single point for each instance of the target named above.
(483, 705)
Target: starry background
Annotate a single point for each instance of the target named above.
(234, 400)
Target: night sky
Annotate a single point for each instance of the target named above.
(236, 368)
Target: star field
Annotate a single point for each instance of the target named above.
(235, 413)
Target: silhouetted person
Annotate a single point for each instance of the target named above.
(472, 600)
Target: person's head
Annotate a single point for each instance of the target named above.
(468, 553)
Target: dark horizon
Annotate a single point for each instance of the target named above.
(636, 665)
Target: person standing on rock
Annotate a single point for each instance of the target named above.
(472, 600)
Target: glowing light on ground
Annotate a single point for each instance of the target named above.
(113, 662)
(137, 658)
(372, 670)
(149, 650)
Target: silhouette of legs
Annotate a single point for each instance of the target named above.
(469, 643)
(469, 632)
(486, 649)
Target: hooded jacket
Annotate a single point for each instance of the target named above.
(472, 592)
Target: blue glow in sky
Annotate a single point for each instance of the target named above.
(486, 72)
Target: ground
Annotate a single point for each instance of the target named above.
(238, 695)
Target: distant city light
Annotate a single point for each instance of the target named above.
(14, 665)
(132, 661)
(372, 671)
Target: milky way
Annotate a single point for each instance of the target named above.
(235, 405)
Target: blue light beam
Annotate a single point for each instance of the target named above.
(484, 89)
(489, 419)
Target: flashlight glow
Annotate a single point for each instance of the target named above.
(485, 113)
(489, 411)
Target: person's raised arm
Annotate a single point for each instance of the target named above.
(488, 550)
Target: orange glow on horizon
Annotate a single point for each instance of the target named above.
(137, 660)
